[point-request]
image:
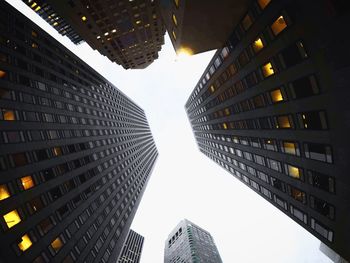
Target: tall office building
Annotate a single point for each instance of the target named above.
(272, 108)
(188, 243)
(196, 26)
(76, 153)
(128, 32)
(132, 248)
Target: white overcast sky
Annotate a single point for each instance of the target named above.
(184, 182)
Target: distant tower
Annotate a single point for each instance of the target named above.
(188, 243)
(132, 248)
(130, 33)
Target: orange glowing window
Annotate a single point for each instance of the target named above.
(224, 125)
(12, 218)
(25, 243)
(34, 34)
(276, 95)
(9, 115)
(290, 148)
(57, 151)
(258, 45)
(27, 182)
(174, 20)
(57, 244)
(34, 45)
(174, 35)
(2, 74)
(263, 3)
(279, 25)
(4, 192)
(268, 70)
(283, 122)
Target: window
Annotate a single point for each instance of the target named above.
(290, 148)
(278, 200)
(27, 182)
(279, 25)
(25, 243)
(258, 45)
(322, 230)
(4, 192)
(57, 151)
(259, 159)
(313, 120)
(304, 87)
(174, 19)
(177, 2)
(19, 159)
(270, 145)
(294, 171)
(297, 194)
(263, 3)
(174, 35)
(322, 207)
(283, 122)
(321, 181)
(12, 218)
(298, 214)
(2, 74)
(274, 165)
(267, 70)
(247, 22)
(9, 115)
(45, 226)
(293, 54)
(276, 96)
(278, 184)
(57, 244)
(318, 152)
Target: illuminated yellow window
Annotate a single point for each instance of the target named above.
(268, 70)
(4, 192)
(34, 34)
(57, 244)
(57, 151)
(33, 5)
(294, 171)
(247, 22)
(227, 111)
(174, 35)
(279, 25)
(25, 243)
(276, 95)
(174, 20)
(12, 218)
(27, 182)
(263, 3)
(138, 22)
(37, 8)
(55, 24)
(177, 2)
(34, 45)
(224, 125)
(83, 18)
(258, 45)
(290, 148)
(283, 122)
(2, 73)
(212, 88)
(9, 115)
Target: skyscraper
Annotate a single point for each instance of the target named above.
(196, 26)
(128, 32)
(272, 109)
(132, 248)
(191, 244)
(76, 153)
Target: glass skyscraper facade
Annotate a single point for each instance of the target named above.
(272, 109)
(189, 243)
(76, 153)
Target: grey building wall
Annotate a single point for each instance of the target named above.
(76, 153)
(132, 248)
(272, 109)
